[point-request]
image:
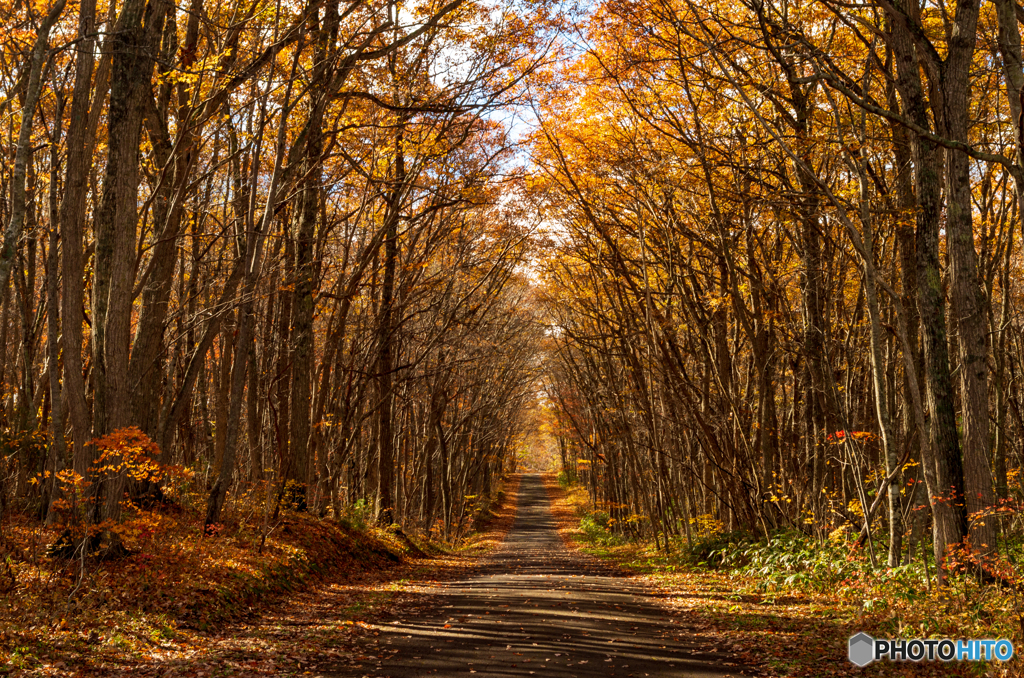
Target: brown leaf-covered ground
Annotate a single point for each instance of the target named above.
(519, 601)
(186, 605)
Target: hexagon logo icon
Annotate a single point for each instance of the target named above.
(862, 649)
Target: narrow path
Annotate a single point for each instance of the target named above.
(536, 608)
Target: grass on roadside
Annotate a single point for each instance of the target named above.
(791, 605)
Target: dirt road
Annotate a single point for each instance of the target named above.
(536, 608)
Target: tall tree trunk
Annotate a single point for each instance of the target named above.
(945, 465)
(134, 41)
(882, 412)
(302, 320)
(1009, 41)
(968, 296)
(57, 448)
(385, 355)
(72, 216)
(306, 268)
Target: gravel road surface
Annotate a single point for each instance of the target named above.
(536, 608)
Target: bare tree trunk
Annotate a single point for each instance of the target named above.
(882, 412)
(57, 448)
(1009, 40)
(945, 494)
(969, 299)
(385, 346)
(385, 382)
(223, 389)
(306, 268)
(72, 215)
(226, 468)
(136, 34)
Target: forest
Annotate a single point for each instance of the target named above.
(784, 294)
(747, 271)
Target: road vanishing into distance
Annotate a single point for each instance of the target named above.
(535, 607)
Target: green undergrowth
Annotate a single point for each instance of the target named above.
(793, 594)
(596, 529)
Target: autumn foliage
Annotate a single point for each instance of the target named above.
(745, 269)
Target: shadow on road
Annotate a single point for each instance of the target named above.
(536, 608)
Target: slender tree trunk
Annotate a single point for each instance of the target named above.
(57, 448)
(968, 296)
(945, 465)
(882, 411)
(302, 318)
(386, 338)
(1009, 40)
(72, 215)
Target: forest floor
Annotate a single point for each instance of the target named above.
(183, 604)
(528, 595)
(534, 607)
(517, 602)
(790, 632)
